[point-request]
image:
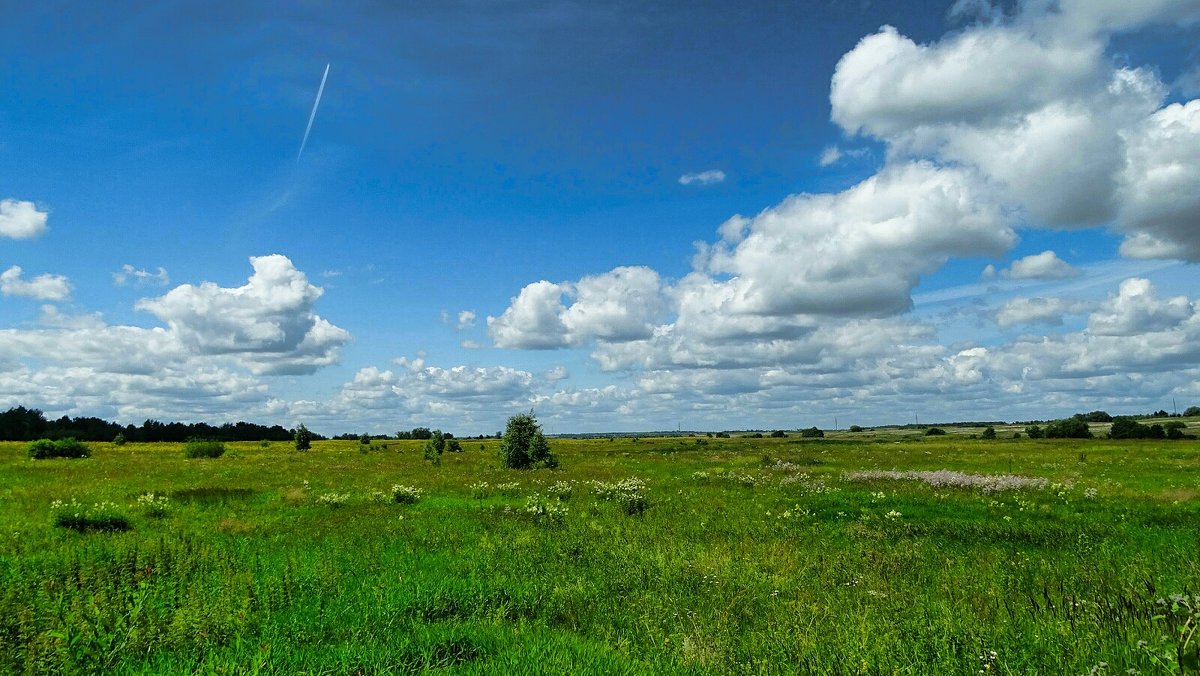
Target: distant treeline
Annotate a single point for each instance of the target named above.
(28, 424)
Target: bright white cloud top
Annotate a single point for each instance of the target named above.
(1041, 142)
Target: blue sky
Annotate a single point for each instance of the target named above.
(633, 216)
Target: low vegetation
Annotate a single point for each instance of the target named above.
(878, 552)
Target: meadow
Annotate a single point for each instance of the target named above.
(858, 553)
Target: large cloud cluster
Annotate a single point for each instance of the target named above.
(216, 340)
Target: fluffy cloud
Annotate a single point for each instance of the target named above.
(623, 304)
(466, 320)
(888, 84)
(859, 252)
(202, 364)
(1033, 100)
(1136, 309)
(1160, 185)
(268, 322)
(710, 177)
(43, 287)
(1046, 265)
(21, 220)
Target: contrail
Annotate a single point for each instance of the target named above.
(313, 115)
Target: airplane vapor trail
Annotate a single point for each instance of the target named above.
(313, 115)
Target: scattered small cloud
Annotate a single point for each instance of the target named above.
(128, 274)
(830, 156)
(470, 345)
(21, 220)
(556, 374)
(1046, 265)
(989, 272)
(43, 287)
(466, 319)
(710, 177)
(331, 273)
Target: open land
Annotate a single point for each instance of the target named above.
(879, 552)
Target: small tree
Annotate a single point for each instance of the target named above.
(303, 438)
(1034, 432)
(523, 445)
(855, 428)
(364, 439)
(934, 432)
(434, 447)
(119, 440)
(812, 433)
(989, 432)
(1192, 411)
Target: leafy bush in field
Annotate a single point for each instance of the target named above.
(453, 446)
(434, 447)
(119, 440)
(546, 511)
(523, 445)
(302, 438)
(364, 439)
(629, 494)
(989, 432)
(1068, 428)
(1034, 432)
(1174, 430)
(855, 428)
(63, 448)
(203, 448)
(100, 516)
(778, 434)
(812, 433)
(560, 490)
(934, 432)
(1192, 411)
(406, 495)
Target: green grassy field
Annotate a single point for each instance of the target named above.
(751, 556)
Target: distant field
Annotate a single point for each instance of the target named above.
(751, 556)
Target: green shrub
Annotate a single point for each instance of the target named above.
(934, 432)
(523, 445)
(119, 440)
(855, 428)
(1068, 428)
(989, 432)
(203, 448)
(63, 448)
(778, 434)
(812, 433)
(406, 495)
(302, 438)
(434, 446)
(453, 446)
(1034, 432)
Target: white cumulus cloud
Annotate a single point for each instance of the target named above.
(42, 287)
(1045, 265)
(21, 220)
(128, 274)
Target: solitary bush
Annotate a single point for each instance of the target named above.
(364, 439)
(989, 432)
(119, 440)
(524, 446)
(302, 438)
(1034, 432)
(855, 428)
(934, 432)
(63, 448)
(453, 446)
(434, 446)
(203, 448)
(778, 434)
(812, 433)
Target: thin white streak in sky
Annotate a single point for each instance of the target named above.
(313, 115)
